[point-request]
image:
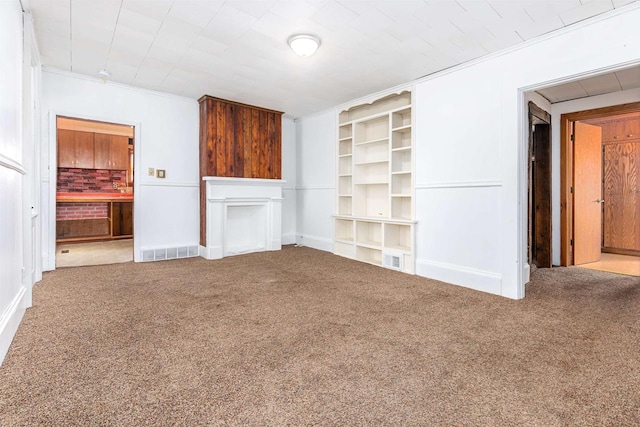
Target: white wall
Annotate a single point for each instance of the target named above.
(471, 151)
(166, 211)
(558, 109)
(17, 171)
(316, 179)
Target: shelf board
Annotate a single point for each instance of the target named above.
(372, 141)
(401, 195)
(345, 138)
(373, 183)
(398, 248)
(405, 128)
(369, 245)
(401, 173)
(386, 220)
(345, 174)
(345, 195)
(401, 149)
(373, 162)
(344, 240)
(346, 155)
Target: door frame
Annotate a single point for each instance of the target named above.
(567, 169)
(49, 255)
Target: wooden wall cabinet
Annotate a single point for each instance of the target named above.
(621, 130)
(374, 219)
(89, 150)
(75, 149)
(237, 140)
(111, 151)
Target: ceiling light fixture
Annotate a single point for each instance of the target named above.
(304, 44)
(104, 74)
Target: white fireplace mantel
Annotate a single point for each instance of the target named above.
(242, 215)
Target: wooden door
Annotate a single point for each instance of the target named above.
(587, 214)
(621, 194)
(541, 197)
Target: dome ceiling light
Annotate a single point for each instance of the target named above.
(304, 44)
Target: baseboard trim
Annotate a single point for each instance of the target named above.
(289, 239)
(315, 242)
(10, 321)
(479, 280)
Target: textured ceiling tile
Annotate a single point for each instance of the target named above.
(176, 35)
(136, 21)
(155, 9)
(568, 91)
(477, 15)
(548, 95)
(164, 54)
(541, 10)
(601, 84)
(228, 24)
(503, 38)
(334, 15)
(122, 72)
(273, 26)
(255, 8)
(629, 78)
(443, 31)
(585, 11)
(132, 41)
(531, 30)
(620, 3)
(293, 11)
(207, 45)
(198, 13)
(438, 12)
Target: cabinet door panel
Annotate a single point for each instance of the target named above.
(119, 152)
(75, 149)
(102, 151)
(66, 148)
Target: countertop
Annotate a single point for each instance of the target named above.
(93, 197)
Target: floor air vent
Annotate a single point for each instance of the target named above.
(392, 261)
(159, 254)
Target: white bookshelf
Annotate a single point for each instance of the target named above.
(375, 203)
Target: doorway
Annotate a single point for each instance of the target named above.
(539, 192)
(94, 192)
(600, 171)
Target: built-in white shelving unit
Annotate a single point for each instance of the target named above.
(374, 219)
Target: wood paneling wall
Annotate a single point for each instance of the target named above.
(237, 140)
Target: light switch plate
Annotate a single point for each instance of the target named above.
(160, 173)
(152, 171)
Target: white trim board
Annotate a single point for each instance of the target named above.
(315, 242)
(479, 280)
(10, 321)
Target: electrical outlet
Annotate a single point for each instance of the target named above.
(160, 173)
(152, 171)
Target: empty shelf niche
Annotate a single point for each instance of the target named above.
(344, 166)
(344, 230)
(401, 119)
(344, 205)
(401, 160)
(372, 152)
(371, 200)
(372, 130)
(401, 207)
(398, 237)
(401, 139)
(401, 184)
(369, 233)
(344, 186)
(370, 255)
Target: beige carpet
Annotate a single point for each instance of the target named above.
(302, 337)
(94, 253)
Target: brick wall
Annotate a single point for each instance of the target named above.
(81, 210)
(89, 180)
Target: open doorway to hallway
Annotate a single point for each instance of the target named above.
(94, 192)
(602, 168)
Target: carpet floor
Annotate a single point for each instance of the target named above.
(303, 337)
